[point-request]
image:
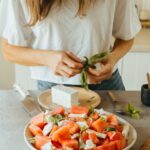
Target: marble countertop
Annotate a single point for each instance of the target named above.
(13, 118)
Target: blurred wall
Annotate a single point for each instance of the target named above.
(7, 73)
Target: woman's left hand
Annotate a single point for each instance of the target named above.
(95, 76)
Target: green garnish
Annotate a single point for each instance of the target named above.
(31, 140)
(132, 111)
(83, 128)
(102, 118)
(90, 62)
(107, 129)
(81, 143)
(91, 110)
(55, 118)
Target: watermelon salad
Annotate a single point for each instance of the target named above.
(79, 128)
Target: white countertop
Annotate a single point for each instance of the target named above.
(142, 41)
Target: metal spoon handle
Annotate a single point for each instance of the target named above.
(22, 92)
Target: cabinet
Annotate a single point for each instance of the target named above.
(134, 67)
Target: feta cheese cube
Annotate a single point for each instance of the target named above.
(47, 146)
(74, 136)
(125, 131)
(100, 135)
(64, 96)
(82, 124)
(89, 144)
(47, 129)
(77, 116)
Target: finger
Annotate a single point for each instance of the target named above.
(69, 70)
(91, 79)
(94, 72)
(74, 57)
(63, 73)
(94, 79)
(71, 63)
(105, 70)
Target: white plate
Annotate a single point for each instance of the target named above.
(132, 137)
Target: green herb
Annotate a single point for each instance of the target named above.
(107, 129)
(83, 128)
(90, 62)
(132, 111)
(31, 140)
(81, 143)
(55, 118)
(103, 118)
(91, 110)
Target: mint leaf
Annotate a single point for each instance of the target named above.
(90, 62)
(132, 111)
(107, 129)
(83, 128)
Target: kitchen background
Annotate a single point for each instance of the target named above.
(133, 67)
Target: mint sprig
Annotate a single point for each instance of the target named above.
(90, 62)
(132, 111)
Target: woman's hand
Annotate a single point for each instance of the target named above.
(64, 63)
(95, 76)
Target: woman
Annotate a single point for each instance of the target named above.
(53, 36)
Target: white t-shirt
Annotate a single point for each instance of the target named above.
(61, 30)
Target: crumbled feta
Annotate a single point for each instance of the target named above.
(77, 115)
(46, 112)
(100, 135)
(62, 122)
(125, 131)
(90, 131)
(47, 146)
(47, 129)
(100, 111)
(82, 124)
(74, 136)
(89, 144)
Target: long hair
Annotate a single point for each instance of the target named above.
(39, 9)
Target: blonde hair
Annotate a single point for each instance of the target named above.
(39, 9)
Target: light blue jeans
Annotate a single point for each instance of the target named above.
(114, 83)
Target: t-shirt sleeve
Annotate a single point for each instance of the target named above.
(14, 24)
(126, 21)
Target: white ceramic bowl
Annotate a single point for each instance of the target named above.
(132, 137)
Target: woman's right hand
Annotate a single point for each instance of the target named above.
(64, 63)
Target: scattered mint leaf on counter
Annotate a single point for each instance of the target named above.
(90, 62)
(132, 111)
